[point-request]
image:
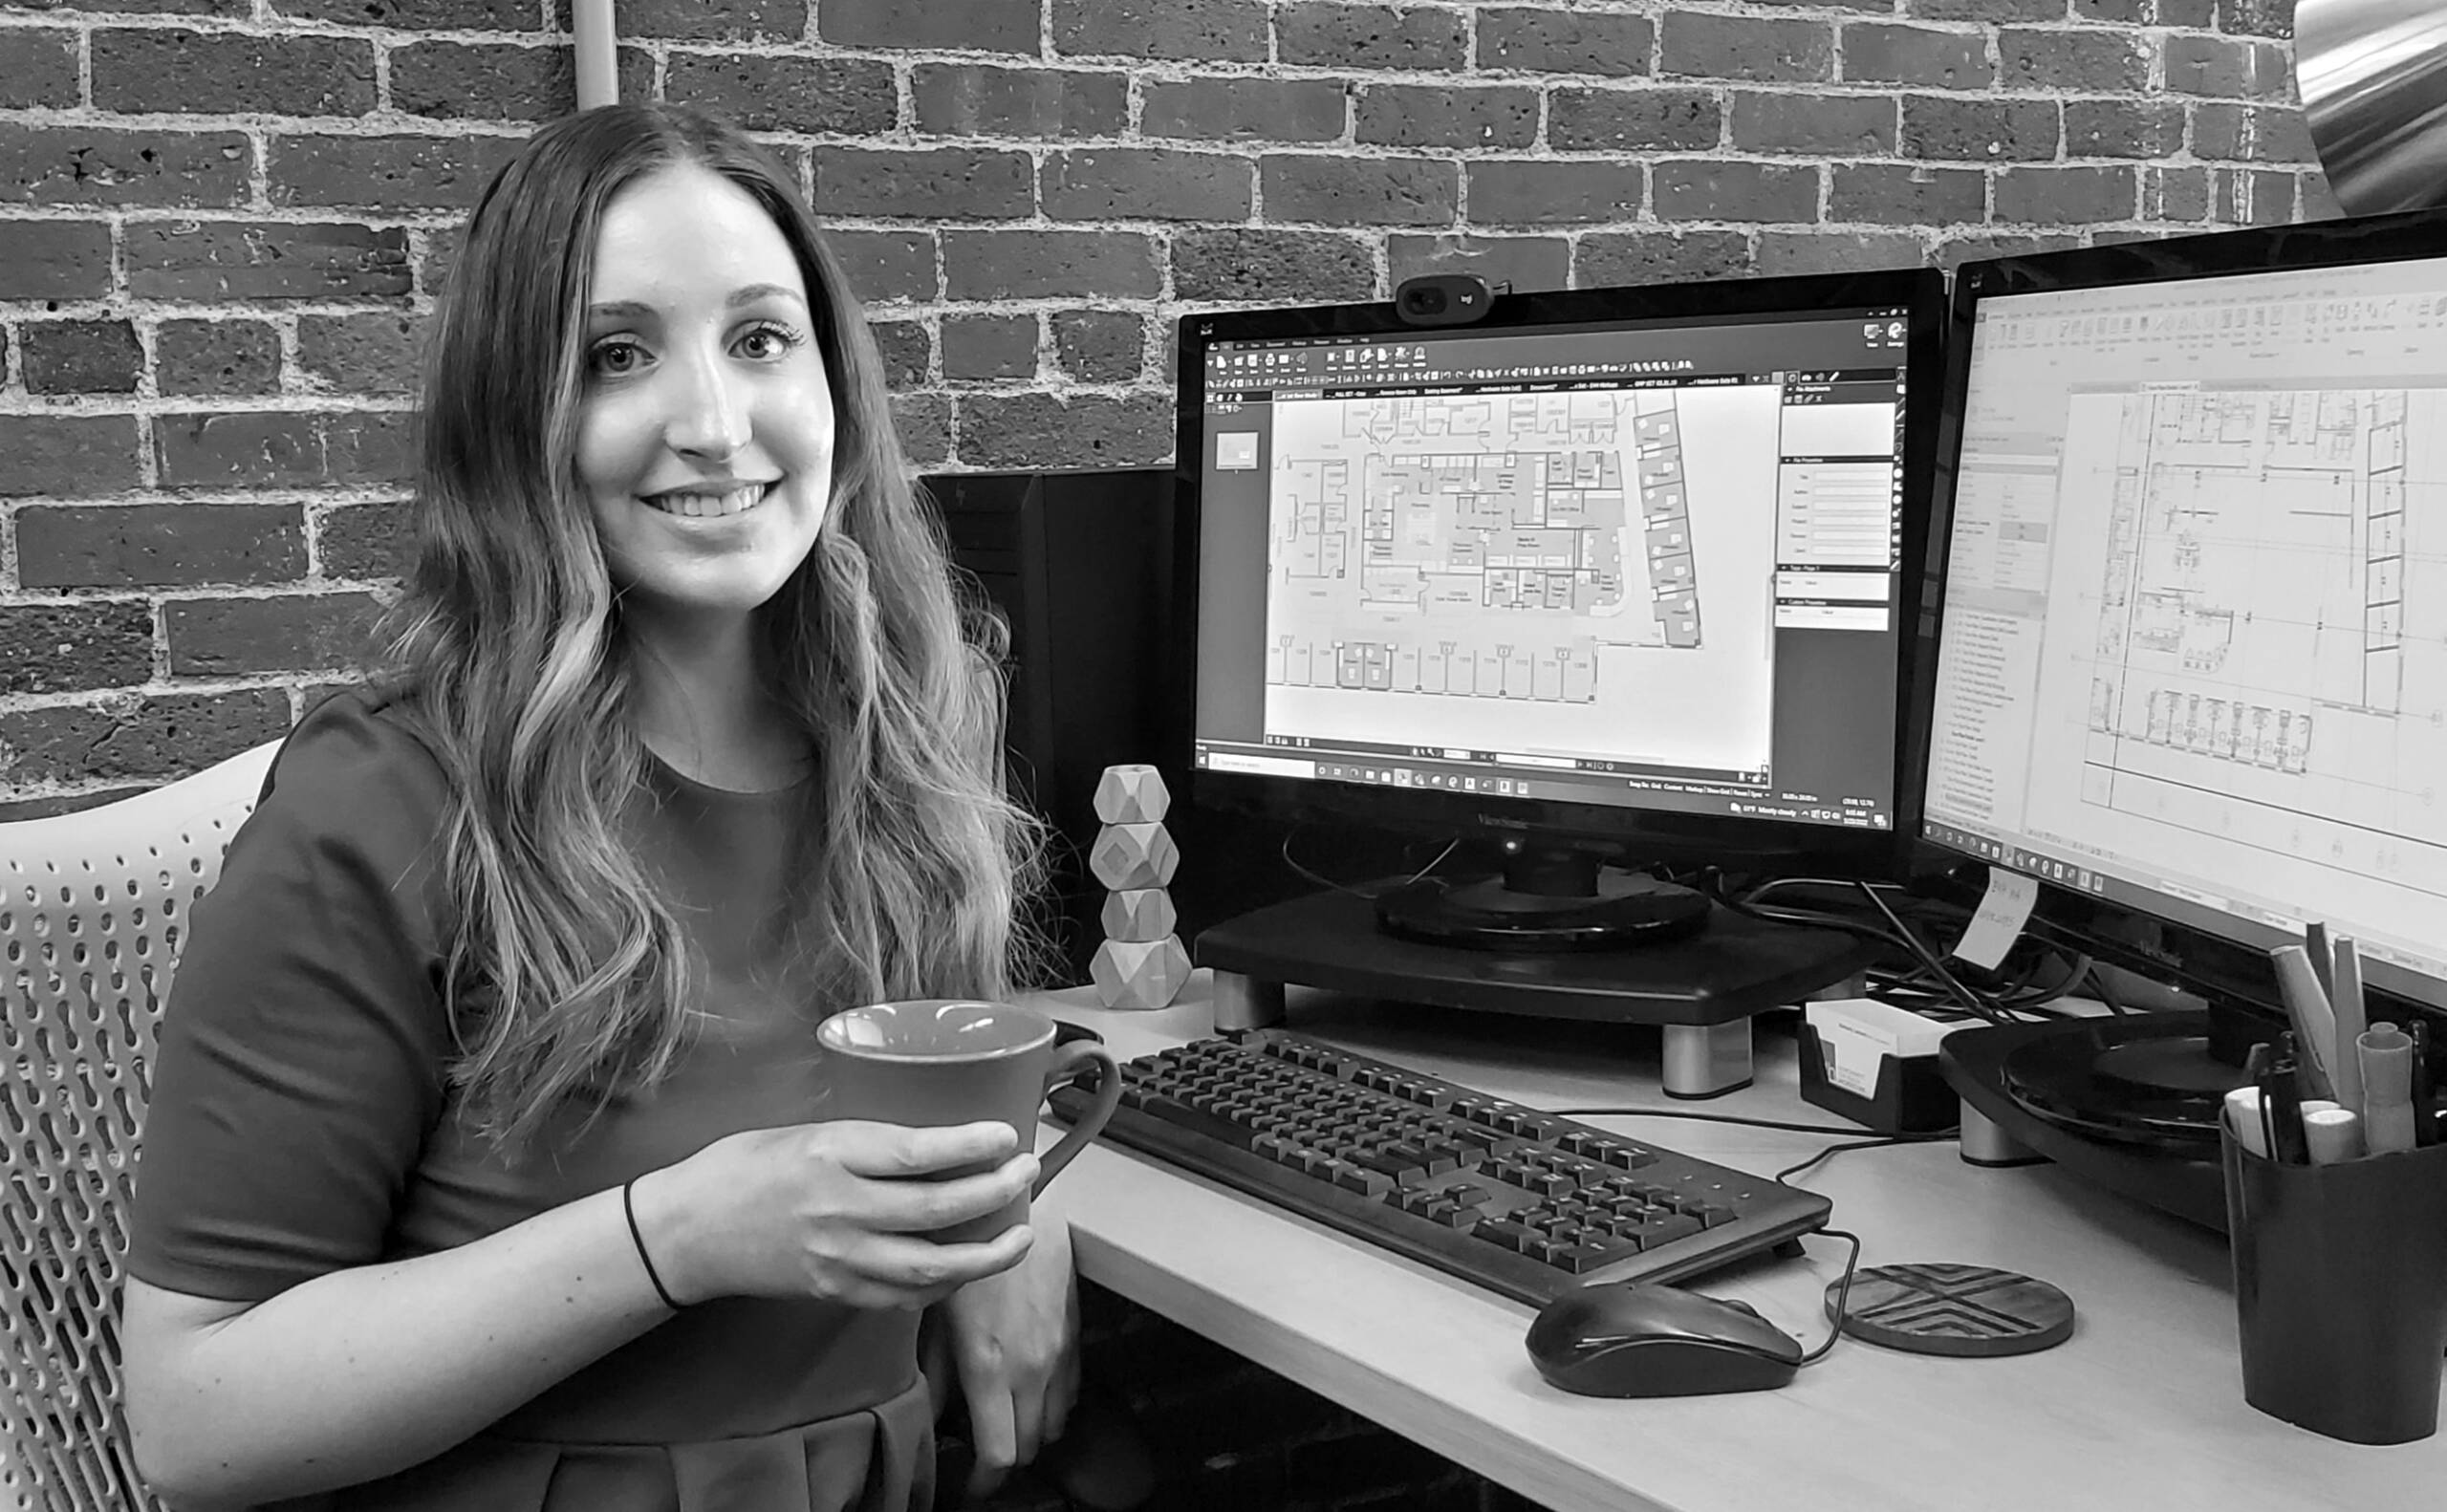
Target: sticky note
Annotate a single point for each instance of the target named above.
(2003, 910)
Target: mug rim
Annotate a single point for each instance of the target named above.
(826, 1038)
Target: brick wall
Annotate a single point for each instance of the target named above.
(222, 223)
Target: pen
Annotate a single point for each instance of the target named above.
(2281, 1096)
(2425, 1106)
(2306, 1008)
(2386, 1089)
(2345, 1004)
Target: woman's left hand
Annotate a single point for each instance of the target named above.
(1014, 1340)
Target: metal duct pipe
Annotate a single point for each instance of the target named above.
(2373, 75)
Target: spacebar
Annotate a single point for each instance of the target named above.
(1181, 1116)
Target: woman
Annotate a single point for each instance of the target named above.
(479, 1171)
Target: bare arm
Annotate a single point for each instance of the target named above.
(362, 1372)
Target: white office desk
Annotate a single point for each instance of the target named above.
(2141, 1409)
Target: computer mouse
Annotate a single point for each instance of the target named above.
(1641, 1339)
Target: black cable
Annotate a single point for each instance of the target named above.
(1851, 1262)
(1695, 1116)
(1844, 1287)
(1931, 1136)
(1992, 1009)
(1969, 998)
(1781, 1177)
(1307, 876)
(1843, 1294)
(2106, 994)
(1711, 881)
(2018, 998)
(1838, 883)
(2035, 1000)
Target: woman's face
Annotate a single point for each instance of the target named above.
(705, 439)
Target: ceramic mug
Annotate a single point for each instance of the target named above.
(939, 1061)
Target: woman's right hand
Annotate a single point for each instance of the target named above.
(840, 1211)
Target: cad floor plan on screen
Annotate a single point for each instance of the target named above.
(2259, 651)
(1516, 549)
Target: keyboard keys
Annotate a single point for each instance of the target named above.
(1520, 1201)
(1222, 1130)
(1392, 1166)
(1579, 1259)
(1508, 1234)
(1362, 1180)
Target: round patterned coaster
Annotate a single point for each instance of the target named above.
(1954, 1310)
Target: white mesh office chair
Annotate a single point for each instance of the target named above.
(91, 909)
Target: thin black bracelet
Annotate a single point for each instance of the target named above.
(630, 1208)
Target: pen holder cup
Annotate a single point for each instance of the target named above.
(2341, 1290)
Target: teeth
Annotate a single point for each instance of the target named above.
(697, 504)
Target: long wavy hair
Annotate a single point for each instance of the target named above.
(569, 976)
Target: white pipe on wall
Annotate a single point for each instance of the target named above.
(599, 81)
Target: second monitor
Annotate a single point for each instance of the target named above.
(1612, 575)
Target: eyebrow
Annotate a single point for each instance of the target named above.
(748, 294)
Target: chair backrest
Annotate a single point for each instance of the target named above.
(93, 906)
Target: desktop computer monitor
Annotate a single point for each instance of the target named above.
(1610, 574)
(2192, 668)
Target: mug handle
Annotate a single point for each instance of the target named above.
(1067, 1061)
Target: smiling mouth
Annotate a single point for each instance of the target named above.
(709, 506)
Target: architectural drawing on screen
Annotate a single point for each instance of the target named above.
(1479, 546)
(2253, 636)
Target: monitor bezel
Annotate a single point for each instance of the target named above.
(2228, 969)
(1629, 833)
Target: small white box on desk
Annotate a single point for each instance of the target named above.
(1876, 1064)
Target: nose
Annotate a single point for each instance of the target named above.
(710, 410)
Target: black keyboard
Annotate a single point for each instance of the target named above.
(1518, 1201)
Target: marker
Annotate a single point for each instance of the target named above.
(2307, 1008)
(2317, 945)
(2280, 1093)
(2332, 1136)
(2345, 1004)
(2386, 1089)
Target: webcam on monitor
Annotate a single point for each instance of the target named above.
(1442, 299)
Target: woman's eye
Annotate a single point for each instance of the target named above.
(614, 358)
(769, 341)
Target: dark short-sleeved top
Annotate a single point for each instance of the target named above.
(302, 1123)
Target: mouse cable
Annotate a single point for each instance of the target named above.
(1880, 1141)
(1843, 1293)
(1844, 1287)
(1696, 1117)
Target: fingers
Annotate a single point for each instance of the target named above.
(892, 1149)
(893, 1270)
(993, 1431)
(925, 1207)
(1027, 1421)
(1061, 1393)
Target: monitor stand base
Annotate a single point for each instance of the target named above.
(1702, 990)
(1619, 911)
